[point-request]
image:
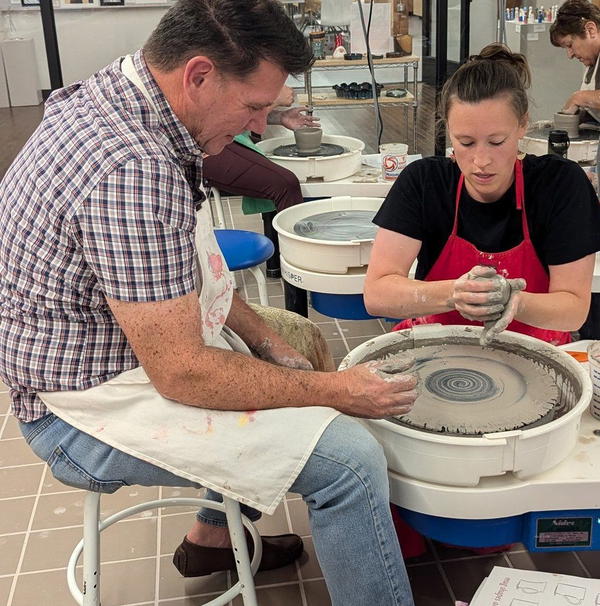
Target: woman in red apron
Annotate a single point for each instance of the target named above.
(497, 238)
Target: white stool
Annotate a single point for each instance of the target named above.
(90, 545)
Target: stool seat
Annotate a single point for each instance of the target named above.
(243, 249)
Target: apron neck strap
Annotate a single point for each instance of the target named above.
(519, 196)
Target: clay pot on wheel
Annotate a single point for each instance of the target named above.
(568, 122)
(308, 139)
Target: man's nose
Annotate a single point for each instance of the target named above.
(258, 123)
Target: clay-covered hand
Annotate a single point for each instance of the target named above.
(580, 98)
(380, 388)
(296, 117)
(494, 328)
(481, 294)
(277, 351)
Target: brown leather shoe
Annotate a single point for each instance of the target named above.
(195, 561)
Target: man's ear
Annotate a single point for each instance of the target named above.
(197, 70)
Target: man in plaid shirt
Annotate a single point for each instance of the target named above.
(97, 278)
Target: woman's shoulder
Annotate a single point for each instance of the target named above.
(432, 172)
(551, 166)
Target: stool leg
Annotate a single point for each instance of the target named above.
(91, 550)
(263, 295)
(240, 549)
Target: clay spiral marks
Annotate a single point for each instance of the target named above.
(461, 385)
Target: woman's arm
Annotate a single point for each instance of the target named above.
(566, 305)
(390, 292)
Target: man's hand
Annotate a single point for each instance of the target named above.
(380, 388)
(277, 351)
(295, 118)
(481, 294)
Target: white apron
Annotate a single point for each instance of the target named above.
(591, 85)
(251, 456)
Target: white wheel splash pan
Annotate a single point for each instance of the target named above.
(579, 150)
(323, 256)
(328, 168)
(463, 461)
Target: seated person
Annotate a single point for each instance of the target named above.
(500, 239)
(242, 169)
(126, 352)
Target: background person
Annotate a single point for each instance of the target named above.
(125, 350)
(242, 169)
(577, 30)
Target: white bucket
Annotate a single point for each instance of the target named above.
(393, 159)
(593, 352)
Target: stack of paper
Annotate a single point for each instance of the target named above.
(513, 587)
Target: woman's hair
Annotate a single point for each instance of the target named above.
(494, 72)
(571, 19)
(235, 34)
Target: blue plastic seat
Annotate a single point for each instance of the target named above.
(246, 250)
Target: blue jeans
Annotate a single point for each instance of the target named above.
(344, 483)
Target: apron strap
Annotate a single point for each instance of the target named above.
(459, 187)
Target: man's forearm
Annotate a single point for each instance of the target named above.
(247, 324)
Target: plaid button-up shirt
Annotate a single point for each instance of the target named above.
(99, 203)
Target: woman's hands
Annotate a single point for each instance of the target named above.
(482, 295)
(380, 388)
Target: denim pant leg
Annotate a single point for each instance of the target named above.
(80, 460)
(346, 488)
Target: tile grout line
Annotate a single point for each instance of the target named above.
(580, 562)
(13, 585)
(296, 564)
(157, 562)
(4, 424)
(445, 580)
(339, 327)
(24, 465)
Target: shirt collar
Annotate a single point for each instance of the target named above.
(185, 146)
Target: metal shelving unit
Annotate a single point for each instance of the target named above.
(329, 99)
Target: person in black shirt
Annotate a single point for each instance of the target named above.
(499, 239)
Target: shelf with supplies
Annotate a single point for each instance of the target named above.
(329, 99)
(408, 81)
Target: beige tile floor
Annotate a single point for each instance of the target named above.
(40, 522)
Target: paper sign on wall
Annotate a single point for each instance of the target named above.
(380, 38)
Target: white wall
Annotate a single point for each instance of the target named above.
(88, 39)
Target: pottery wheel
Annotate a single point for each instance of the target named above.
(338, 226)
(584, 134)
(291, 151)
(470, 390)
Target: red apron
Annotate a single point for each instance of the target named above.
(458, 256)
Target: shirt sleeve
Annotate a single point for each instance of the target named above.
(571, 217)
(137, 232)
(402, 209)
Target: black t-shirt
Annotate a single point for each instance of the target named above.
(563, 213)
